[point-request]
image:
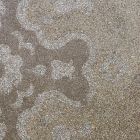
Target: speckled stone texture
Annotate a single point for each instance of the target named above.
(69, 69)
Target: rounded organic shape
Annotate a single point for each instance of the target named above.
(39, 70)
(12, 64)
(60, 69)
(60, 132)
(58, 22)
(53, 116)
(2, 130)
(53, 22)
(2, 10)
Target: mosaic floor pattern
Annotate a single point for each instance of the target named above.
(69, 69)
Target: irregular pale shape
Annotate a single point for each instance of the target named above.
(86, 129)
(60, 69)
(58, 22)
(21, 95)
(66, 6)
(60, 132)
(12, 64)
(53, 116)
(39, 70)
(23, 44)
(2, 11)
(50, 36)
(2, 8)
(2, 131)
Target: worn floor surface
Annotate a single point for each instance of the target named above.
(69, 69)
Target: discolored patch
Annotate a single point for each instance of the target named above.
(69, 69)
(76, 87)
(2, 69)
(75, 50)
